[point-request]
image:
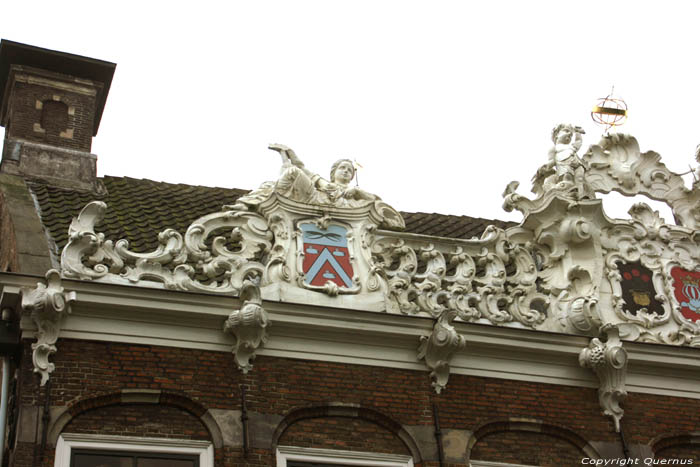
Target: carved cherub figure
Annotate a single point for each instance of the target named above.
(298, 183)
(565, 169)
(563, 156)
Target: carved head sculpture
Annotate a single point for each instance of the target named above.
(562, 133)
(342, 171)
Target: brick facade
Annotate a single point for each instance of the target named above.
(339, 406)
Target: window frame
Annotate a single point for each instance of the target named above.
(69, 441)
(336, 456)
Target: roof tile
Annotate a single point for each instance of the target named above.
(137, 210)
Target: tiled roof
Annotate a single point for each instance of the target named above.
(443, 225)
(137, 210)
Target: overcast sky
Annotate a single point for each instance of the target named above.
(443, 103)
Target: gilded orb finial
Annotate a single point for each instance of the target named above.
(609, 111)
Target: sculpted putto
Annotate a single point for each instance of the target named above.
(298, 183)
(565, 170)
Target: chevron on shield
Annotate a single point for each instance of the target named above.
(326, 256)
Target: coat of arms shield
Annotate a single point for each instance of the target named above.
(326, 256)
(686, 287)
(638, 290)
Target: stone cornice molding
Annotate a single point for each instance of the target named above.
(118, 313)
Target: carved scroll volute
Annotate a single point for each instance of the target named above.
(608, 360)
(47, 304)
(438, 348)
(248, 325)
(397, 264)
(277, 268)
(87, 255)
(431, 297)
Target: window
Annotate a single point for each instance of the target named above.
(288, 456)
(99, 458)
(78, 450)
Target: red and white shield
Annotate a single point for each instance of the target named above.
(686, 287)
(326, 256)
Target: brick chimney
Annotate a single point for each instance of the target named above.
(51, 108)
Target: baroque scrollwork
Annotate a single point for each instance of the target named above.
(561, 270)
(248, 325)
(608, 360)
(47, 304)
(617, 164)
(217, 253)
(437, 349)
(658, 248)
(488, 280)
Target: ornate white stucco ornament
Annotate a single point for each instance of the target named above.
(248, 325)
(617, 164)
(48, 304)
(297, 183)
(488, 280)
(238, 242)
(563, 269)
(322, 234)
(438, 348)
(596, 270)
(608, 359)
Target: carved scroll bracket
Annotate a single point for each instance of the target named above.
(609, 362)
(248, 325)
(438, 348)
(48, 304)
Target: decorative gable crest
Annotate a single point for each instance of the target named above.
(593, 264)
(299, 234)
(323, 233)
(566, 268)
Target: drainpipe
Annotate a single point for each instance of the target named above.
(46, 418)
(244, 422)
(4, 396)
(625, 447)
(438, 436)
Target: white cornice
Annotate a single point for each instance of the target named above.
(118, 313)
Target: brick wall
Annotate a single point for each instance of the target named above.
(342, 433)
(526, 448)
(155, 421)
(511, 421)
(40, 114)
